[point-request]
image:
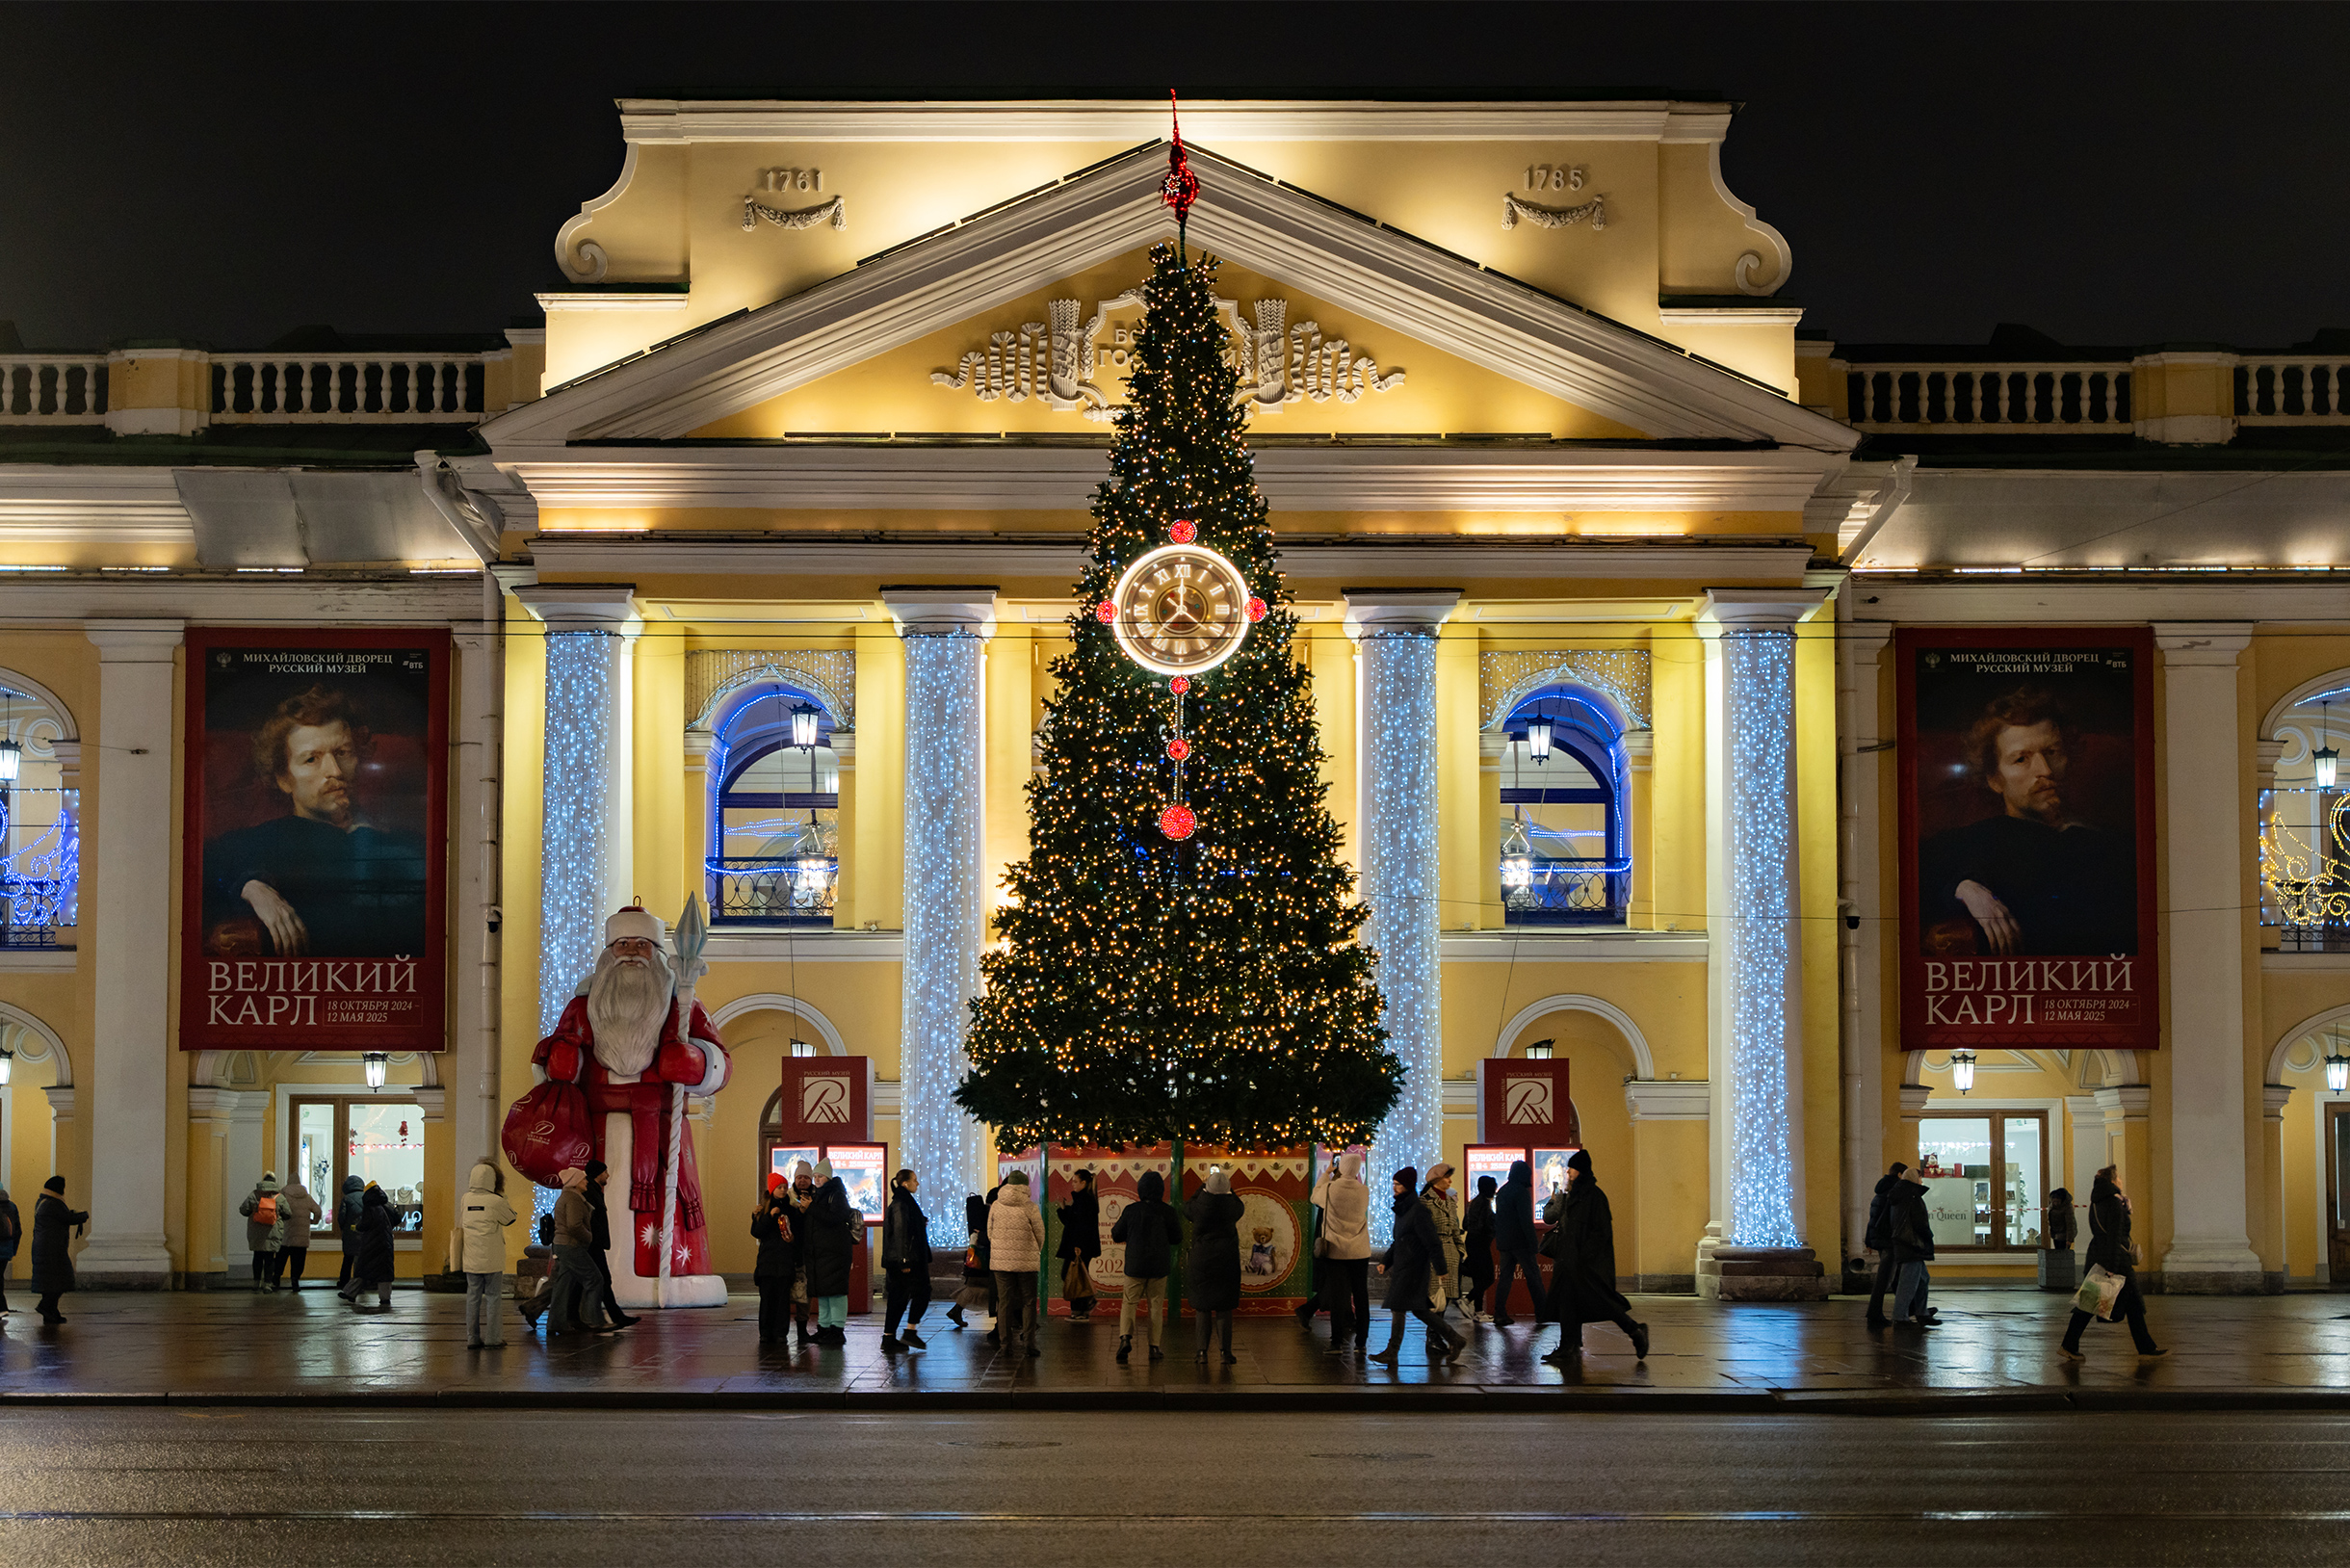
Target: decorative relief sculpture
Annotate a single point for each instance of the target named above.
(1056, 362)
(1593, 212)
(835, 211)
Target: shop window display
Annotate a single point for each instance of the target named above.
(1986, 1179)
(377, 1140)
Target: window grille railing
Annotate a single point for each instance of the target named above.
(1551, 891)
(797, 890)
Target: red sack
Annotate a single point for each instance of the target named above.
(546, 1129)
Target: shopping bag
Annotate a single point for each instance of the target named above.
(546, 1131)
(2098, 1291)
(1077, 1282)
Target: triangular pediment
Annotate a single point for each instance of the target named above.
(898, 311)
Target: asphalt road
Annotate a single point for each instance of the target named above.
(268, 1486)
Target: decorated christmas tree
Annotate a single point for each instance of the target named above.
(1179, 955)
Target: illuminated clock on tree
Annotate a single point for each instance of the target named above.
(1181, 610)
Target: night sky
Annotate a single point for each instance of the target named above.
(2114, 174)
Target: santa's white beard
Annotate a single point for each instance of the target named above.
(628, 1001)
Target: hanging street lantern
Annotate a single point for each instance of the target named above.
(2338, 1070)
(2328, 761)
(804, 720)
(375, 1061)
(12, 758)
(1540, 1050)
(1962, 1070)
(1538, 737)
(8, 1060)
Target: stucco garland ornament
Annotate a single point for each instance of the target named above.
(835, 211)
(1513, 207)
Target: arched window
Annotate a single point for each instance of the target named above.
(1565, 847)
(2304, 826)
(40, 842)
(774, 812)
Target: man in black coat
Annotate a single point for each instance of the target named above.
(600, 1222)
(1910, 1227)
(1513, 1243)
(1411, 1262)
(1584, 1273)
(1878, 1242)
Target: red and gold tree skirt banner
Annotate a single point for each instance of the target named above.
(1276, 1255)
(1115, 1171)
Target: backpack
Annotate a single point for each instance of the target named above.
(264, 1210)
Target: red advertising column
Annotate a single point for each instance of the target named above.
(829, 1103)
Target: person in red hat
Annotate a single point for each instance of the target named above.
(778, 1260)
(623, 1040)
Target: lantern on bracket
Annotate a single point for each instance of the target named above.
(1962, 1070)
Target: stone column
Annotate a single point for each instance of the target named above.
(1753, 898)
(1669, 1142)
(1860, 647)
(2207, 833)
(128, 931)
(945, 631)
(2274, 1098)
(473, 971)
(1395, 802)
(694, 830)
(587, 805)
(230, 1154)
(2130, 1145)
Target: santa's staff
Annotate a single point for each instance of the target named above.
(693, 931)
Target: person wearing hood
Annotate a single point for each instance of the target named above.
(297, 1216)
(1212, 1270)
(577, 1288)
(905, 1263)
(1477, 1248)
(1015, 1246)
(599, 1230)
(1081, 1242)
(53, 1228)
(801, 1198)
(1444, 1212)
(373, 1269)
(483, 1214)
(779, 1265)
(1910, 1228)
(346, 1211)
(2111, 1249)
(1513, 1243)
(1583, 1269)
(1148, 1228)
(1875, 1239)
(11, 1237)
(1411, 1259)
(264, 1228)
(1343, 1266)
(832, 1225)
(979, 1280)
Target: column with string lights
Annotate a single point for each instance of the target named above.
(945, 631)
(1395, 632)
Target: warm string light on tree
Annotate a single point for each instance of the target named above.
(1150, 986)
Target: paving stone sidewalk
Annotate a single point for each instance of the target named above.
(1997, 1352)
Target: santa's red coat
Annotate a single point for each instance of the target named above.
(568, 1056)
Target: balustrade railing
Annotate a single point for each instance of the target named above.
(288, 389)
(771, 892)
(2280, 389)
(53, 389)
(1560, 891)
(2044, 396)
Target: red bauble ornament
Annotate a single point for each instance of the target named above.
(1177, 822)
(1256, 610)
(1180, 685)
(1179, 748)
(1105, 612)
(1184, 531)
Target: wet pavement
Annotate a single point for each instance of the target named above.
(1997, 1351)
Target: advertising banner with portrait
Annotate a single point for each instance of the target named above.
(315, 881)
(2027, 839)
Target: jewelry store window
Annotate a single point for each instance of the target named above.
(1986, 1178)
(374, 1139)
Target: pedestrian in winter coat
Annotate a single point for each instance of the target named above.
(297, 1216)
(802, 1198)
(346, 1212)
(833, 1225)
(778, 1261)
(577, 1289)
(53, 1228)
(1444, 1212)
(373, 1272)
(979, 1280)
(483, 1213)
(905, 1263)
(1015, 1246)
(1476, 1248)
(2062, 1229)
(1212, 1269)
(1513, 1243)
(1148, 1227)
(1876, 1241)
(1583, 1267)
(1910, 1228)
(599, 1232)
(2111, 1249)
(11, 1237)
(1409, 1263)
(1081, 1242)
(1342, 1271)
(264, 1228)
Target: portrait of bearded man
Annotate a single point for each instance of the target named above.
(623, 1041)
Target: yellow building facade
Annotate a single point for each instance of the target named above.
(755, 558)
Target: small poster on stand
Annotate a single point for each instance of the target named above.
(864, 1170)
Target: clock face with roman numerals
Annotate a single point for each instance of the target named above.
(1182, 609)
